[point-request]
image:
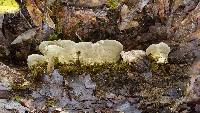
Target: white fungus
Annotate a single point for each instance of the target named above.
(159, 52)
(133, 55)
(67, 51)
(35, 59)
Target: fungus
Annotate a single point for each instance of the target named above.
(67, 51)
(35, 59)
(159, 52)
(133, 55)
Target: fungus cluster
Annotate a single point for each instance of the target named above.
(67, 51)
(88, 53)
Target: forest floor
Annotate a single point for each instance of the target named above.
(141, 87)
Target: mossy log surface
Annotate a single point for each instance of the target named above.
(166, 81)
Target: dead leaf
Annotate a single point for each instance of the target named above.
(193, 15)
(1, 20)
(142, 4)
(163, 7)
(49, 21)
(126, 21)
(37, 16)
(90, 3)
(25, 36)
(34, 12)
(127, 25)
(193, 35)
(176, 4)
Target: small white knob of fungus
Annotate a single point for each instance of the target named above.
(35, 59)
(159, 52)
(133, 55)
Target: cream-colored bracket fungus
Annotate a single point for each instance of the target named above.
(35, 59)
(67, 51)
(159, 52)
(133, 55)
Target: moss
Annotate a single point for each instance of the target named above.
(54, 11)
(37, 70)
(16, 98)
(55, 36)
(154, 67)
(113, 4)
(116, 75)
(20, 83)
(78, 68)
(118, 70)
(50, 102)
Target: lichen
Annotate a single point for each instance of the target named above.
(8, 6)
